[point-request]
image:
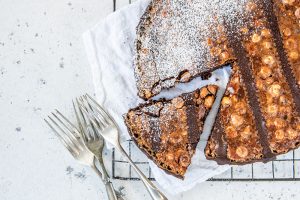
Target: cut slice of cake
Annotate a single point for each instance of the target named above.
(168, 131)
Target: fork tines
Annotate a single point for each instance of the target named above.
(65, 131)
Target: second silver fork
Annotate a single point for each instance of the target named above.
(95, 143)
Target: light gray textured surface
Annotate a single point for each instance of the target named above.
(42, 67)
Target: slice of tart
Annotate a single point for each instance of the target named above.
(168, 131)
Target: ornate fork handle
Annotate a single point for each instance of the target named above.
(154, 192)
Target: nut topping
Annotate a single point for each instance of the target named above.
(226, 102)
(209, 101)
(236, 120)
(268, 60)
(242, 151)
(275, 90)
(178, 102)
(265, 72)
(294, 55)
(279, 134)
(292, 134)
(256, 38)
(272, 110)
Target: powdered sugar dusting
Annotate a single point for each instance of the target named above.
(172, 38)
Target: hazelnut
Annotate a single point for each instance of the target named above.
(184, 160)
(236, 120)
(289, 2)
(240, 107)
(265, 72)
(178, 102)
(185, 77)
(224, 55)
(279, 134)
(269, 99)
(231, 132)
(215, 51)
(285, 110)
(209, 101)
(256, 38)
(246, 132)
(272, 109)
(268, 60)
(292, 134)
(147, 94)
(260, 84)
(290, 44)
(266, 33)
(293, 55)
(204, 92)
(175, 138)
(297, 13)
(212, 89)
(170, 156)
(210, 42)
(251, 6)
(275, 90)
(226, 102)
(184, 133)
(279, 123)
(242, 151)
(283, 99)
(267, 44)
(269, 80)
(287, 32)
(244, 30)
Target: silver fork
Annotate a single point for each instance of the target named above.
(95, 143)
(109, 130)
(71, 138)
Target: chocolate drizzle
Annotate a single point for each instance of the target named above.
(268, 6)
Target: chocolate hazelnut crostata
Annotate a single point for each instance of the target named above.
(259, 115)
(168, 131)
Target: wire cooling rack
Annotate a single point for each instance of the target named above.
(284, 168)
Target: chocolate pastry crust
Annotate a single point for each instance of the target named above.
(168, 131)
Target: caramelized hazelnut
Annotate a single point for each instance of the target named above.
(215, 51)
(279, 134)
(269, 80)
(272, 109)
(209, 101)
(226, 102)
(204, 92)
(175, 138)
(224, 55)
(292, 134)
(251, 6)
(236, 120)
(297, 13)
(147, 93)
(184, 133)
(244, 30)
(285, 110)
(185, 77)
(260, 84)
(267, 44)
(246, 132)
(178, 102)
(283, 99)
(242, 151)
(289, 2)
(294, 55)
(256, 38)
(170, 156)
(290, 44)
(275, 90)
(268, 60)
(265, 72)
(287, 32)
(212, 89)
(231, 132)
(266, 33)
(279, 123)
(240, 107)
(210, 42)
(184, 160)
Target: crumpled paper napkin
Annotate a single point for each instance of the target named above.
(109, 47)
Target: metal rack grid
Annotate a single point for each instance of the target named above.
(284, 168)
